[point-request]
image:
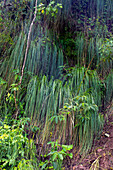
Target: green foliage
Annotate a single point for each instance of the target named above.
(85, 120)
(62, 103)
(106, 51)
(26, 164)
(57, 155)
(83, 107)
(104, 67)
(15, 147)
(51, 9)
(48, 91)
(109, 87)
(41, 50)
(12, 16)
(45, 99)
(11, 104)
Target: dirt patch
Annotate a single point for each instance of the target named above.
(101, 156)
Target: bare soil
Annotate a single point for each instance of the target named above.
(101, 155)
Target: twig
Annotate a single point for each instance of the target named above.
(16, 114)
(27, 48)
(28, 43)
(5, 2)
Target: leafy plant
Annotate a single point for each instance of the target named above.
(15, 146)
(57, 155)
(52, 8)
(106, 60)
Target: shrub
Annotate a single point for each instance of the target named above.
(15, 146)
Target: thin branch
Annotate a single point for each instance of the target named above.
(5, 2)
(27, 49)
(16, 114)
(28, 43)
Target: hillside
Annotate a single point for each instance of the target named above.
(56, 84)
